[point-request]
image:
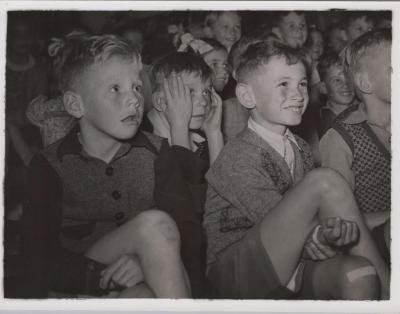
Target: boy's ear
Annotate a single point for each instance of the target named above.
(244, 94)
(73, 104)
(277, 32)
(363, 83)
(159, 101)
(322, 88)
(208, 32)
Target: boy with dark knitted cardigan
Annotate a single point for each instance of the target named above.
(264, 200)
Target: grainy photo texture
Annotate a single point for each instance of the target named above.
(198, 154)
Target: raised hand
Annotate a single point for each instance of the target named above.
(338, 232)
(212, 122)
(178, 109)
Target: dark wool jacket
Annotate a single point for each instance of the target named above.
(74, 199)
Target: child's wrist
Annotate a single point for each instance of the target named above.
(212, 132)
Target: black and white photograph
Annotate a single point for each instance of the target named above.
(214, 153)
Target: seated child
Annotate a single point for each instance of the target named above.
(187, 109)
(358, 145)
(291, 28)
(264, 199)
(339, 93)
(357, 23)
(202, 132)
(224, 26)
(213, 53)
(336, 38)
(90, 225)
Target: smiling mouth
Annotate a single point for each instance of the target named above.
(346, 93)
(296, 109)
(130, 119)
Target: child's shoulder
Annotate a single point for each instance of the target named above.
(155, 140)
(241, 147)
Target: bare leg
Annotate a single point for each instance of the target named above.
(154, 238)
(344, 277)
(321, 194)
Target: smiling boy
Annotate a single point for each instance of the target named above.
(264, 199)
(291, 28)
(334, 85)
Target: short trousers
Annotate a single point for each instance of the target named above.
(245, 271)
(378, 234)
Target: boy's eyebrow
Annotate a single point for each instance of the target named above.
(289, 78)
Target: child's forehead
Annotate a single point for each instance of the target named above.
(362, 20)
(293, 17)
(195, 81)
(228, 17)
(334, 70)
(113, 67)
(278, 66)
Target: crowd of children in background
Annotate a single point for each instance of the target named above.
(197, 154)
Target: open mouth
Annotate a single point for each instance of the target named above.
(346, 93)
(131, 119)
(296, 109)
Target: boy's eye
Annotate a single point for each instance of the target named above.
(207, 94)
(303, 84)
(284, 84)
(138, 88)
(115, 88)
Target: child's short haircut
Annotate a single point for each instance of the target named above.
(350, 17)
(78, 51)
(179, 62)
(239, 48)
(212, 16)
(260, 54)
(362, 46)
(326, 62)
(279, 15)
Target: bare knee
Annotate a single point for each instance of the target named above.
(156, 225)
(325, 179)
(357, 279)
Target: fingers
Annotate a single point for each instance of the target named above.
(109, 272)
(125, 270)
(167, 91)
(314, 252)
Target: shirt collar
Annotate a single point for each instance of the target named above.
(357, 115)
(71, 144)
(274, 139)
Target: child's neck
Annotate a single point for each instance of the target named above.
(378, 113)
(98, 145)
(336, 107)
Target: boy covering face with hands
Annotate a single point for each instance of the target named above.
(187, 112)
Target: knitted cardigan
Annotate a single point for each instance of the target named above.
(247, 180)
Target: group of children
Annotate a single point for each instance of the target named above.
(206, 192)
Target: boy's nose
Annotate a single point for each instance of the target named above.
(297, 94)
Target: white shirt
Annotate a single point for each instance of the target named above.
(281, 143)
